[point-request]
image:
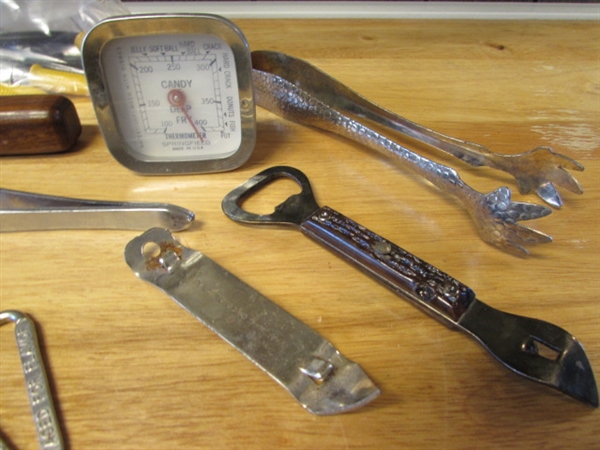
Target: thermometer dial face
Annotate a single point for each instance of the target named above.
(169, 101)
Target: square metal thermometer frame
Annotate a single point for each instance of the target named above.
(168, 24)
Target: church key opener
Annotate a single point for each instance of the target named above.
(36, 381)
(297, 357)
(28, 211)
(519, 343)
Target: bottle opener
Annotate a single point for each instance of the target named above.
(306, 365)
(28, 211)
(36, 381)
(534, 349)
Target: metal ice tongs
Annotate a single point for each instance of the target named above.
(24, 211)
(522, 344)
(298, 91)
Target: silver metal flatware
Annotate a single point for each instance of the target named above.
(537, 170)
(534, 349)
(495, 216)
(298, 358)
(25, 211)
(36, 381)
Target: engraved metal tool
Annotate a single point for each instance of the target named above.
(534, 349)
(494, 214)
(297, 357)
(36, 380)
(537, 170)
(25, 211)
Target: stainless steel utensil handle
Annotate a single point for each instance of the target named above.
(36, 381)
(434, 291)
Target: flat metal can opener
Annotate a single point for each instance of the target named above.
(297, 357)
(532, 348)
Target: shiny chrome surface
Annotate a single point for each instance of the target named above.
(25, 211)
(537, 170)
(299, 359)
(494, 214)
(534, 349)
(157, 25)
(36, 381)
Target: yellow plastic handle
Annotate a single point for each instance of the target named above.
(6, 90)
(58, 81)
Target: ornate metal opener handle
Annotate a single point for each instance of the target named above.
(536, 170)
(494, 214)
(513, 340)
(296, 356)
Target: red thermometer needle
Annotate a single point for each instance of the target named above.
(177, 98)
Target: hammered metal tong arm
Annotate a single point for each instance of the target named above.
(513, 340)
(537, 170)
(494, 214)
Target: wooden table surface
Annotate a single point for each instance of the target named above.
(131, 370)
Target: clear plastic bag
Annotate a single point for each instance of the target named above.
(38, 48)
(52, 16)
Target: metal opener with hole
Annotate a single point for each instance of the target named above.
(519, 343)
(36, 381)
(27, 211)
(304, 363)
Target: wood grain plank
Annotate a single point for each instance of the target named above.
(132, 370)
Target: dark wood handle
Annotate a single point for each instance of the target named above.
(37, 124)
(428, 287)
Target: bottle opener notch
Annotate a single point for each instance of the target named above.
(296, 356)
(534, 349)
